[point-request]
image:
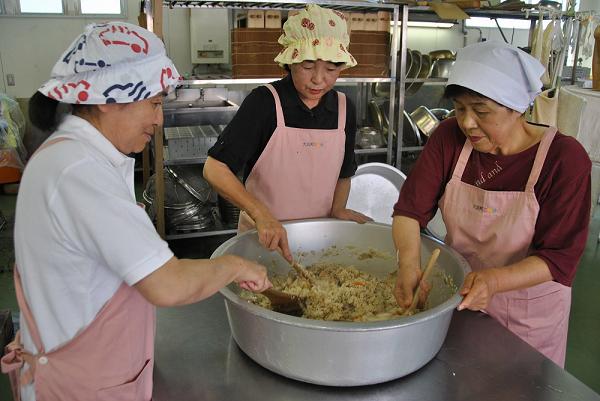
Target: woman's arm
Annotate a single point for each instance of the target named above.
(185, 281)
(340, 198)
(407, 239)
(480, 286)
(271, 233)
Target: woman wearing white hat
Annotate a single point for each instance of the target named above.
(514, 196)
(89, 264)
(294, 138)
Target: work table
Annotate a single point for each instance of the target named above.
(197, 359)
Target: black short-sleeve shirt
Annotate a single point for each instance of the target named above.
(241, 143)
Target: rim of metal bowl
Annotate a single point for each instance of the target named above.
(445, 307)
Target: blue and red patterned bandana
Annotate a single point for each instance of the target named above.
(113, 62)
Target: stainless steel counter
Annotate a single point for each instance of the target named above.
(197, 359)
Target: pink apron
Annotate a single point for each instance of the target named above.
(110, 359)
(495, 229)
(296, 174)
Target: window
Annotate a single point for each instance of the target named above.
(100, 6)
(41, 6)
(64, 7)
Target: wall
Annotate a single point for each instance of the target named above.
(29, 46)
(428, 39)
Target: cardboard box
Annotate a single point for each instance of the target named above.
(256, 19)
(245, 35)
(371, 21)
(383, 21)
(273, 19)
(357, 21)
(257, 71)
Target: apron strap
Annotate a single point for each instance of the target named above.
(278, 109)
(462, 160)
(33, 329)
(341, 110)
(540, 158)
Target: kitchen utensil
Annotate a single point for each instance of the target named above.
(201, 192)
(376, 116)
(432, 259)
(411, 135)
(369, 138)
(342, 353)
(381, 89)
(283, 302)
(442, 54)
(230, 214)
(441, 68)
(415, 68)
(409, 63)
(302, 272)
(421, 75)
(439, 113)
(373, 185)
(425, 120)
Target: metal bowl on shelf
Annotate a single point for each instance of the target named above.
(441, 68)
(369, 138)
(425, 120)
(442, 54)
(422, 75)
(342, 353)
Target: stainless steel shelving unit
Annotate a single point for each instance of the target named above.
(424, 13)
(401, 14)
(154, 9)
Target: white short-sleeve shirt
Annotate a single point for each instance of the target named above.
(79, 232)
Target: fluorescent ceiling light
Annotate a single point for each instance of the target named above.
(425, 24)
(505, 23)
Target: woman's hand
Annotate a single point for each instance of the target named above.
(349, 214)
(406, 283)
(478, 289)
(251, 276)
(272, 235)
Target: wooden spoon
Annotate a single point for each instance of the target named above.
(283, 302)
(430, 263)
(303, 272)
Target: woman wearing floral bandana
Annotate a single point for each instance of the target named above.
(515, 198)
(90, 267)
(294, 139)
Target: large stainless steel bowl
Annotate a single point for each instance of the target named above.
(342, 353)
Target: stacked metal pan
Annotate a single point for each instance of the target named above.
(187, 199)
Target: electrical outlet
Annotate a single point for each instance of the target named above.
(10, 79)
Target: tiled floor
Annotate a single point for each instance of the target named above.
(583, 353)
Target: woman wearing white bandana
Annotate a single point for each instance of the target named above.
(90, 265)
(515, 198)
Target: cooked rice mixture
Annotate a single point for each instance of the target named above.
(342, 293)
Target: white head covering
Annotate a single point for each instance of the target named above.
(500, 72)
(113, 62)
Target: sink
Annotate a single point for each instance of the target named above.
(198, 112)
(201, 104)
